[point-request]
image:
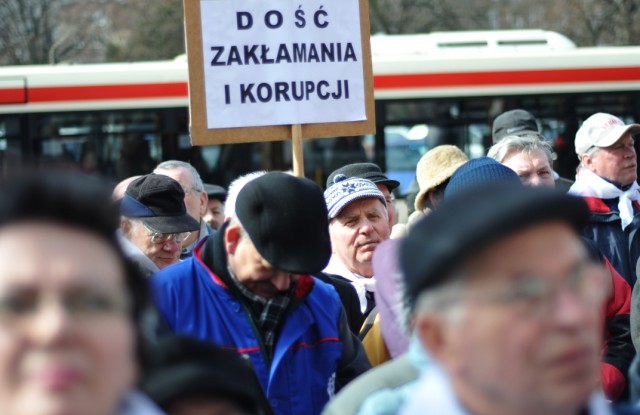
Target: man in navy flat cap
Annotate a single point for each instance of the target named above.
(507, 303)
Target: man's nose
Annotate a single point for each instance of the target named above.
(282, 281)
(366, 226)
(631, 151)
(171, 245)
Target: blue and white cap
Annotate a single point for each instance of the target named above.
(344, 191)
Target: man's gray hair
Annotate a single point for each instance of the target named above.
(589, 152)
(520, 144)
(443, 300)
(198, 185)
(234, 190)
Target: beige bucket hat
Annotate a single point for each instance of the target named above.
(436, 166)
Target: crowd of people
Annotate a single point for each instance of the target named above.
(509, 290)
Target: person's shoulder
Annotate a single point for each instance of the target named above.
(335, 280)
(389, 375)
(179, 271)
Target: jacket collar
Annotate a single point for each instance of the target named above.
(211, 253)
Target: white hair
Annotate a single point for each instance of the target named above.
(234, 189)
(520, 144)
(591, 151)
(198, 185)
(443, 300)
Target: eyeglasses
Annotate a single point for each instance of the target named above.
(535, 296)
(163, 238)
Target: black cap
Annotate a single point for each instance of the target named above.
(158, 201)
(514, 122)
(286, 219)
(215, 192)
(470, 221)
(369, 171)
(183, 368)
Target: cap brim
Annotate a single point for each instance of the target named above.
(172, 224)
(215, 192)
(502, 135)
(390, 183)
(616, 133)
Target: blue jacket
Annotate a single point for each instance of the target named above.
(309, 357)
(622, 248)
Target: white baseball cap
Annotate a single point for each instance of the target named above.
(601, 130)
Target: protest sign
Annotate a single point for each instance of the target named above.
(257, 67)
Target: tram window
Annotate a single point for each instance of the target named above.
(10, 126)
(10, 144)
(417, 110)
(404, 145)
(116, 144)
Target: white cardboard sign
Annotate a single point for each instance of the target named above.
(282, 62)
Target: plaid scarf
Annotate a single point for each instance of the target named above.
(269, 313)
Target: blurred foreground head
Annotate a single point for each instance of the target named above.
(506, 299)
(69, 300)
(191, 376)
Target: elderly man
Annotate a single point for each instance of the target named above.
(195, 198)
(371, 171)
(507, 303)
(358, 222)
(249, 287)
(155, 222)
(521, 123)
(528, 156)
(607, 181)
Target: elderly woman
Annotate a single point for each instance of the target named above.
(529, 156)
(69, 302)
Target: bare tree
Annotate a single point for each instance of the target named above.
(156, 33)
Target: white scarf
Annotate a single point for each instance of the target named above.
(360, 283)
(589, 184)
(433, 394)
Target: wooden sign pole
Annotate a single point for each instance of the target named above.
(298, 154)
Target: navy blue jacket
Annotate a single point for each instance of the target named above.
(315, 353)
(622, 248)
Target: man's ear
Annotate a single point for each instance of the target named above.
(434, 198)
(232, 237)
(126, 226)
(587, 161)
(431, 330)
(204, 201)
(331, 225)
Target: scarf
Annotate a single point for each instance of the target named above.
(434, 394)
(363, 285)
(268, 315)
(589, 184)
